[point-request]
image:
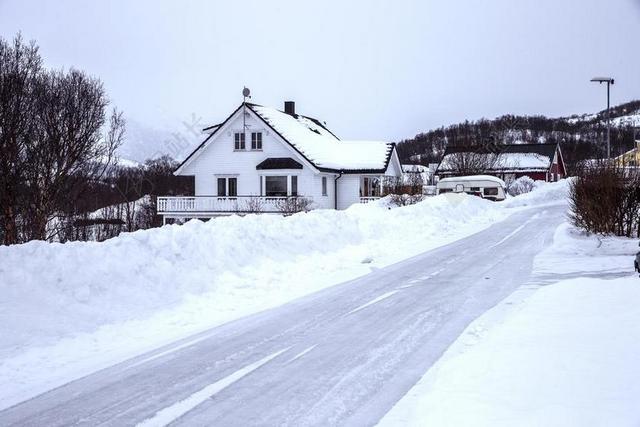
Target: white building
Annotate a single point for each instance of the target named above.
(262, 160)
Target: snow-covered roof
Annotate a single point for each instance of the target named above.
(414, 168)
(512, 158)
(473, 178)
(321, 147)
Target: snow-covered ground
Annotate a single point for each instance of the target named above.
(70, 309)
(555, 353)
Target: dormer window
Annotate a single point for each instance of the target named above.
(256, 140)
(239, 141)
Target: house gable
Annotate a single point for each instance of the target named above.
(224, 133)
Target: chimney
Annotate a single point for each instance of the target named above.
(290, 107)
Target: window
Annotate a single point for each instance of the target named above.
(222, 186)
(239, 141)
(490, 191)
(275, 186)
(294, 185)
(233, 186)
(324, 185)
(369, 186)
(227, 187)
(256, 140)
(475, 189)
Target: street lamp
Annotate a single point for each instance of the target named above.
(609, 81)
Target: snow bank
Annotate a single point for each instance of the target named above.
(562, 354)
(68, 309)
(545, 193)
(567, 357)
(86, 284)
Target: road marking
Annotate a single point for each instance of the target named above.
(514, 232)
(508, 236)
(373, 301)
(178, 409)
(302, 353)
(169, 351)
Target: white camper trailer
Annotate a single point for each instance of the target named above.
(485, 186)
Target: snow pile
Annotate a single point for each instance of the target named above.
(561, 354)
(86, 284)
(566, 357)
(545, 193)
(68, 309)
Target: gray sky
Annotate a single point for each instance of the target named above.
(371, 69)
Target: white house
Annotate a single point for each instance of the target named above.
(261, 159)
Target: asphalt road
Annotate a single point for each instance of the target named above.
(342, 356)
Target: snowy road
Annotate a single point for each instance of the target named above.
(342, 356)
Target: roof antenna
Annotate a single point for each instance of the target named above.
(246, 93)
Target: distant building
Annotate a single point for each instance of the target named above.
(542, 162)
(631, 158)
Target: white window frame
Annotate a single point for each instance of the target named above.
(256, 133)
(288, 174)
(226, 178)
(325, 186)
(242, 142)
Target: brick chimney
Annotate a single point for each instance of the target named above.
(290, 107)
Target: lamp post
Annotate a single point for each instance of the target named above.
(609, 81)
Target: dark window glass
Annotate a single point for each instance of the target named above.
(324, 185)
(294, 185)
(275, 186)
(233, 186)
(490, 191)
(256, 140)
(222, 186)
(239, 141)
(475, 189)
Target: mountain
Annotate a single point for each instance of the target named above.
(580, 136)
(144, 142)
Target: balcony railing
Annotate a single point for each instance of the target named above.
(368, 199)
(228, 204)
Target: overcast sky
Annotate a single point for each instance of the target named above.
(371, 69)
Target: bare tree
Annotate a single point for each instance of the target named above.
(471, 162)
(51, 139)
(20, 66)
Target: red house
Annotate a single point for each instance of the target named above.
(541, 162)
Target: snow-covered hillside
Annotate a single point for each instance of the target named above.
(553, 353)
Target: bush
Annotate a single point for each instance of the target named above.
(522, 185)
(605, 199)
(403, 192)
(293, 204)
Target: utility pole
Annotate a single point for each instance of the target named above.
(609, 81)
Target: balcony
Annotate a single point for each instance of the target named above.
(368, 199)
(195, 206)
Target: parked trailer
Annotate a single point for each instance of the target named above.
(485, 186)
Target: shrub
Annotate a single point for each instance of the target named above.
(293, 204)
(605, 199)
(522, 185)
